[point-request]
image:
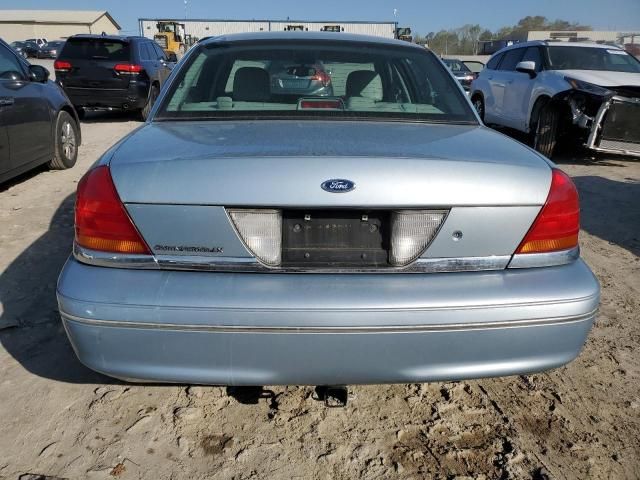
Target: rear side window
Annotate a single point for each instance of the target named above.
(492, 64)
(159, 52)
(97, 49)
(146, 53)
(511, 59)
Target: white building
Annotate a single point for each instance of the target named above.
(54, 24)
(208, 28)
(575, 36)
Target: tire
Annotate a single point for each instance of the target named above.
(66, 142)
(546, 132)
(153, 95)
(478, 104)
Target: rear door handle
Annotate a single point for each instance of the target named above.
(6, 101)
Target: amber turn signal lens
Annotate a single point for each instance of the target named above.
(558, 223)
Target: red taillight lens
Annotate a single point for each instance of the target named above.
(322, 76)
(102, 222)
(557, 225)
(128, 68)
(61, 65)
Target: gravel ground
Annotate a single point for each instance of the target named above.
(62, 420)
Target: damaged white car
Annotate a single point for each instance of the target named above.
(552, 90)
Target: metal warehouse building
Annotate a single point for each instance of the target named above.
(54, 24)
(208, 28)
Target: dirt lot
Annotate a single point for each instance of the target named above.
(58, 418)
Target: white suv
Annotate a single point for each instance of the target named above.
(552, 90)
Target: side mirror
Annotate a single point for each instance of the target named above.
(172, 57)
(37, 73)
(527, 67)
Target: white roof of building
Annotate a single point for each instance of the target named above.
(85, 17)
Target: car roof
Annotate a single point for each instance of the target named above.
(312, 36)
(107, 37)
(550, 43)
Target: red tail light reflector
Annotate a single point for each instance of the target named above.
(62, 66)
(322, 76)
(558, 223)
(128, 68)
(102, 222)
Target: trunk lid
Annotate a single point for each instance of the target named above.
(284, 163)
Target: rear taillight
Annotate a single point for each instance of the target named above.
(61, 66)
(322, 76)
(556, 226)
(102, 223)
(128, 68)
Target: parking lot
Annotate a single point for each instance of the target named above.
(62, 420)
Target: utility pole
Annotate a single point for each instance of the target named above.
(186, 5)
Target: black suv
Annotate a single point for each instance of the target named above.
(104, 71)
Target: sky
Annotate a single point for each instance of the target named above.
(423, 16)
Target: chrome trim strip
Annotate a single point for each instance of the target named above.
(105, 259)
(247, 264)
(550, 259)
(534, 322)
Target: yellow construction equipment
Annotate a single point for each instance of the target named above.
(170, 37)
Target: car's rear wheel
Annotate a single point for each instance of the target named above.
(66, 142)
(546, 132)
(478, 104)
(153, 95)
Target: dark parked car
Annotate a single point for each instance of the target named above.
(26, 49)
(462, 73)
(37, 122)
(100, 71)
(51, 49)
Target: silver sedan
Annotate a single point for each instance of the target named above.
(378, 234)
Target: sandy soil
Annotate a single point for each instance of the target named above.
(59, 419)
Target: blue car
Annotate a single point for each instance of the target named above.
(379, 234)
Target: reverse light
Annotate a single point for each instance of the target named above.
(411, 233)
(61, 66)
(102, 222)
(557, 225)
(128, 68)
(261, 232)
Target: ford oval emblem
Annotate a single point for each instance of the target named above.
(338, 185)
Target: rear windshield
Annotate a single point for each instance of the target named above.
(328, 79)
(96, 48)
(589, 58)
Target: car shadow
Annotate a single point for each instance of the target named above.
(23, 177)
(30, 328)
(610, 210)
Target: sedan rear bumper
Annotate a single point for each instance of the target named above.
(269, 329)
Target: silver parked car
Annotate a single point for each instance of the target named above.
(381, 234)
